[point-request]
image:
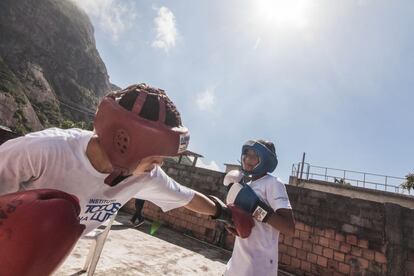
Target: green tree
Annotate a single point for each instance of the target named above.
(67, 124)
(409, 182)
(81, 124)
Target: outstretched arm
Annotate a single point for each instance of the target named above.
(233, 217)
(202, 204)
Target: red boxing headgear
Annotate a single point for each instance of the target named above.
(127, 138)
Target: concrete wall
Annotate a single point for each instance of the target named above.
(335, 234)
(354, 192)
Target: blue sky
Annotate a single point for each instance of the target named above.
(333, 79)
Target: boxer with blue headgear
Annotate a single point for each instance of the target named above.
(267, 157)
(258, 158)
(263, 196)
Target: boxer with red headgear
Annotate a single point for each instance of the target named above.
(134, 129)
(127, 138)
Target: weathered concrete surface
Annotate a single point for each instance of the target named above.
(130, 251)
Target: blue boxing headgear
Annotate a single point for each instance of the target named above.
(267, 158)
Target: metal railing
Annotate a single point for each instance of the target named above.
(347, 177)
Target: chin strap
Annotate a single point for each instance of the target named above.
(110, 179)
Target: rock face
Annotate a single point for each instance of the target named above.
(50, 69)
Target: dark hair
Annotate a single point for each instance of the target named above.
(269, 145)
(151, 107)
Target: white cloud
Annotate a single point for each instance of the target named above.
(211, 166)
(166, 29)
(205, 100)
(114, 17)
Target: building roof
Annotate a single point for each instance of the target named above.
(191, 153)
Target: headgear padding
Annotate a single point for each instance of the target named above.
(267, 158)
(127, 138)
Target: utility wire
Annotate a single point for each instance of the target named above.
(79, 109)
(71, 105)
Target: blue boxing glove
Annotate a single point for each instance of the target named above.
(244, 197)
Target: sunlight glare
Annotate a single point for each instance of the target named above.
(281, 13)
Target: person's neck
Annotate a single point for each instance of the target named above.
(254, 178)
(97, 156)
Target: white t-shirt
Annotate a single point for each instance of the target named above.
(56, 159)
(258, 254)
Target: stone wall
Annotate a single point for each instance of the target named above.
(335, 235)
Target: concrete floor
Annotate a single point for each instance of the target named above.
(130, 251)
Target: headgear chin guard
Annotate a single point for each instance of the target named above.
(267, 158)
(127, 138)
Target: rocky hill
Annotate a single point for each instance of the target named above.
(50, 69)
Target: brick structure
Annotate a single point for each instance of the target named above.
(335, 235)
(317, 251)
(345, 235)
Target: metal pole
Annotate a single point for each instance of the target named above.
(297, 171)
(364, 180)
(303, 163)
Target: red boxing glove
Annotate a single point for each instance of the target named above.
(243, 221)
(236, 220)
(38, 229)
